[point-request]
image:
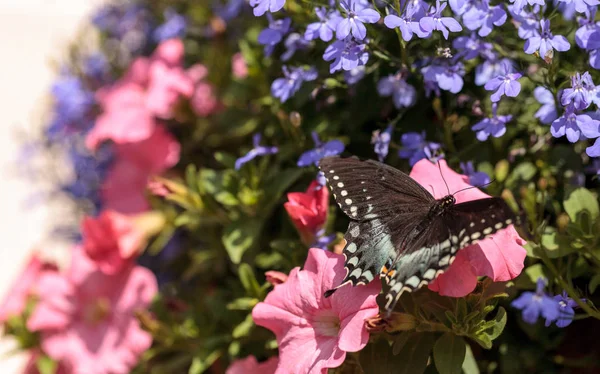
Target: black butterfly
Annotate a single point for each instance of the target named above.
(398, 230)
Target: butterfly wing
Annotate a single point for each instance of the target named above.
(435, 247)
(384, 206)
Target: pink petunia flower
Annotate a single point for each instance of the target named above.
(25, 285)
(249, 365)
(124, 186)
(314, 333)
(308, 210)
(238, 66)
(499, 257)
(203, 101)
(111, 240)
(86, 318)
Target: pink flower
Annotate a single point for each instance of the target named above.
(275, 277)
(203, 102)
(249, 365)
(238, 66)
(314, 333)
(25, 285)
(111, 240)
(124, 186)
(308, 210)
(500, 257)
(86, 318)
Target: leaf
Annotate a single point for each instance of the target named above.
(249, 281)
(449, 353)
(399, 342)
(244, 328)
(414, 355)
(241, 235)
(580, 200)
(594, 282)
(377, 357)
(199, 364)
(46, 365)
(243, 303)
(555, 244)
(500, 322)
(469, 365)
(524, 171)
(277, 185)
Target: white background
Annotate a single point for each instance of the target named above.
(33, 34)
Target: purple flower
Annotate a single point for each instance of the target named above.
(492, 68)
(469, 47)
(293, 43)
(594, 149)
(321, 240)
(435, 21)
(447, 75)
(578, 94)
(520, 4)
(528, 21)
(546, 42)
(547, 113)
(346, 55)
(587, 35)
(356, 17)
(326, 26)
(566, 310)
(173, 27)
(321, 180)
(408, 22)
(494, 126)
(96, 67)
(535, 304)
(72, 100)
(228, 11)
(258, 150)
(355, 75)
(594, 59)
(404, 94)
(581, 5)
(272, 35)
(476, 178)
(381, 140)
(574, 125)
(262, 6)
(312, 157)
(484, 18)
(284, 88)
(507, 84)
(416, 148)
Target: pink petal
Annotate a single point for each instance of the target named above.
(137, 292)
(55, 307)
(459, 280)
(249, 365)
(170, 51)
(353, 334)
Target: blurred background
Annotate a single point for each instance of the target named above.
(33, 35)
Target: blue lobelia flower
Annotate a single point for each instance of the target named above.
(381, 140)
(312, 157)
(272, 35)
(326, 26)
(174, 26)
(416, 148)
(96, 67)
(353, 76)
(547, 112)
(484, 17)
(494, 125)
(587, 35)
(447, 74)
(346, 55)
(321, 240)
(566, 310)
(534, 304)
(408, 22)
(293, 43)
(582, 6)
(257, 150)
(469, 47)
(520, 4)
(284, 88)
(262, 6)
(128, 23)
(545, 42)
(506, 84)
(435, 21)
(476, 178)
(404, 94)
(575, 125)
(528, 21)
(578, 95)
(492, 68)
(228, 11)
(355, 18)
(321, 180)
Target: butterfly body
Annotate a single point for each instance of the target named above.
(398, 230)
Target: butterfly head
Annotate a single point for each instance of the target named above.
(442, 205)
(447, 201)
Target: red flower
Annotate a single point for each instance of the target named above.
(308, 210)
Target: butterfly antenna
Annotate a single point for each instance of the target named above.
(470, 187)
(444, 179)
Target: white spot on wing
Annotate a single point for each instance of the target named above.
(348, 201)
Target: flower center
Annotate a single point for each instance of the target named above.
(327, 323)
(97, 311)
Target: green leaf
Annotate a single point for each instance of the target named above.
(46, 365)
(555, 244)
(243, 303)
(449, 353)
(249, 281)
(594, 282)
(581, 200)
(244, 328)
(200, 364)
(500, 322)
(414, 355)
(469, 365)
(241, 235)
(524, 171)
(277, 185)
(400, 340)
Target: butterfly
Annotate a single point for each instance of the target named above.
(398, 230)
